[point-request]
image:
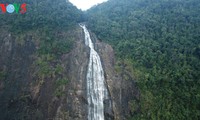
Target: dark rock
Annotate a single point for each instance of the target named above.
(121, 91)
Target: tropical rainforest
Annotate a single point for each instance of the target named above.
(160, 42)
(157, 42)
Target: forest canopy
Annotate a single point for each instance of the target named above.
(160, 40)
(42, 13)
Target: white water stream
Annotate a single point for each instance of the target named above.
(96, 89)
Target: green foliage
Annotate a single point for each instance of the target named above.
(60, 14)
(133, 106)
(51, 48)
(60, 83)
(59, 69)
(45, 69)
(2, 75)
(52, 43)
(160, 39)
(59, 92)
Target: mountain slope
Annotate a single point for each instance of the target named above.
(33, 76)
(52, 14)
(158, 42)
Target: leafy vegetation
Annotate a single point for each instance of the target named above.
(60, 83)
(51, 48)
(160, 40)
(50, 14)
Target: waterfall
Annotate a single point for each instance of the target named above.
(96, 89)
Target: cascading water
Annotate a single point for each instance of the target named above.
(96, 89)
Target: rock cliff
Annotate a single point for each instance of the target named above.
(26, 96)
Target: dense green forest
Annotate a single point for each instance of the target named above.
(48, 13)
(159, 41)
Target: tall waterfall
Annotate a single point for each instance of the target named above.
(96, 89)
